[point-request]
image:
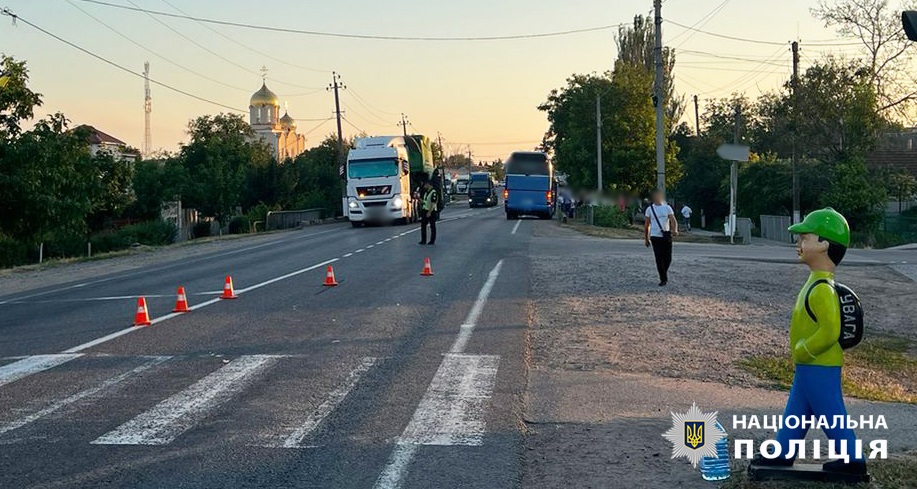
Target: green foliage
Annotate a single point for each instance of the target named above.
(221, 149)
(610, 216)
(200, 229)
(856, 195)
(636, 45)
(628, 141)
(12, 252)
(17, 102)
(239, 225)
(47, 182)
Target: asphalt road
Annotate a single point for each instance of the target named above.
(388, 380)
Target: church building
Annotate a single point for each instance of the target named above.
(278, 132)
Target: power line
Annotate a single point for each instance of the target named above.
(755, 41)
(725, 56)
(351, 124)
(154, 53)
(358, 36)
(192, 41)
(700, 23)
(245, 46)
(16, 17)
(320, 124)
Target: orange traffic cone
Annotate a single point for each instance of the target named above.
(181, 302)
(142, 318)
(227, 289)
(427, 268)
(329, 278)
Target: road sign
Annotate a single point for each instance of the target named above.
(909, 22)
(734, 152)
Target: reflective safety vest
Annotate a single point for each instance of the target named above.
(429, 200)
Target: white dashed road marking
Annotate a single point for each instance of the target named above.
(451, 411)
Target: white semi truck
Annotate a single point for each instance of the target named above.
(382, 173)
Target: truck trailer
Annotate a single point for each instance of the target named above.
(382, 173)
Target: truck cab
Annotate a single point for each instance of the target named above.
(379, 182)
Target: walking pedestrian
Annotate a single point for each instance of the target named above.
(660, 226)
(686, 213)
(428, 213)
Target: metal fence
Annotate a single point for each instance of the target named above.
(292, 219)
(774, 228)
(905, 227)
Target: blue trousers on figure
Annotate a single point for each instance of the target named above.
(817, 391)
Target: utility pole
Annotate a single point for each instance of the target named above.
(470, 164)
(696, 117)
(659, 99)
(147, 112)
(795, 120)
(404, 124)
(598, 140)
(734, 178)
(336, 86)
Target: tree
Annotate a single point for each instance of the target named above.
(17, 101)
(221, 149)
(317, 182)
(636, 45)
(857, 195)
(901, 185)
(877, 26)
(46, 182)
(628, 143)
(112, 187)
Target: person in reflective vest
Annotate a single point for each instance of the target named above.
(429, 207)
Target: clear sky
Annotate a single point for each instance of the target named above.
(482, 93)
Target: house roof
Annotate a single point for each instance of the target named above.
(98, 137)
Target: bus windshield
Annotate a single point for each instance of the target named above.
(372, 168)
(528, 164)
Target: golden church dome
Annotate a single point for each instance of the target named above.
(287, 121)
(263, 97)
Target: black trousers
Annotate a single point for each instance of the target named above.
(662, 250)
(425, 219)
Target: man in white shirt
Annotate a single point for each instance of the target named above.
(686, 213)
(660, 226)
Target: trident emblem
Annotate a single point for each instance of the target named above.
(694, 434)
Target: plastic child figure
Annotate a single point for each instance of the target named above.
(823, 238)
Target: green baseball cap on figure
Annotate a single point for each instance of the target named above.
(825, 223)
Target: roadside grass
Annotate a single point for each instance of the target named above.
(878, 369)
(897, 472)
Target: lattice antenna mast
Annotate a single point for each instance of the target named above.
(147, 112)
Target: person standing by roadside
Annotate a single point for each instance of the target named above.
(429, 206)
(660, 226)
(686, 213)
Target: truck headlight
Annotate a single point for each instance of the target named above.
(397, 202)
(352, 203)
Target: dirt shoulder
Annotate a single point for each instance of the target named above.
(612, 354)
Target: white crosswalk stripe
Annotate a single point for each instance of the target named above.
(334, 398)
(55, 406)
(34, 364)
(180, 412)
